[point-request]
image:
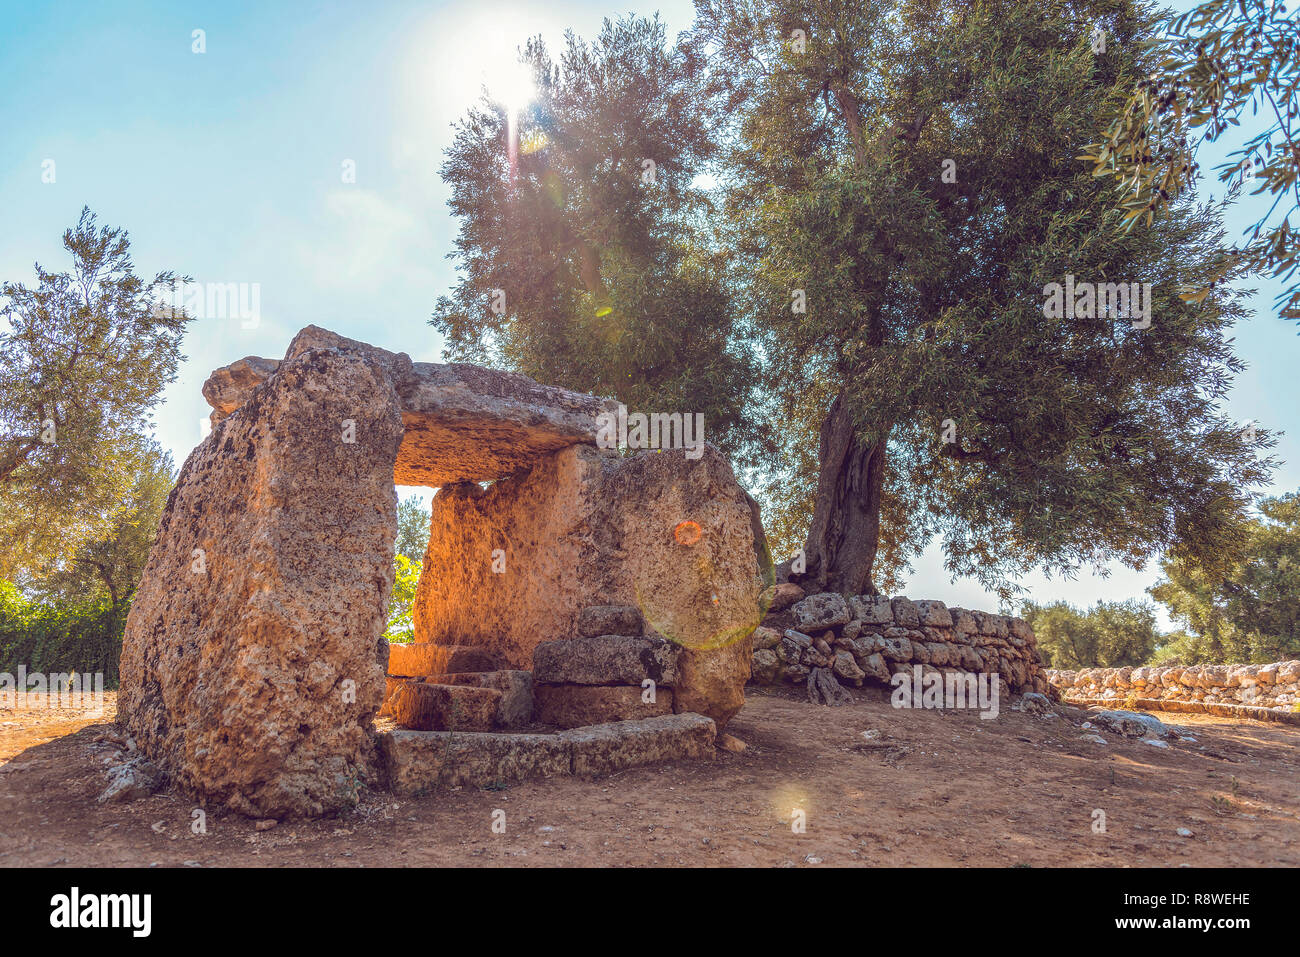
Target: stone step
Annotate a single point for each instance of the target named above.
(606, 748)
(596, 620)
(606, 660)
(421, 659)
(516, 687)
(391, 684)
(417, 761)
(419, 706)
(573, 706)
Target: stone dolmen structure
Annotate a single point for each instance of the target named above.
(579, 610)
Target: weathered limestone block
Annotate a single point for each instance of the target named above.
(391, 684)
(598, 620)
(416, 761)
(606, 660)
(784, 595)
(905, 612)
(847, 669)
(516, 706)
(463, 423)
(963, 623)
(825, 610)
(766, 667)
(940, 654)
(573, 706)
(1131, 723)
(606, 748)
(230, 386)
(991, 624)
(872, 609)
(420, 706)
(934, 613)
(419, 659)
(677, 538)
(897, 649)
(252, 664)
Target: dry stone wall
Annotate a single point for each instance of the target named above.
(868, 638)
(1211, 689)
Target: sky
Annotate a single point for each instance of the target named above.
(298, 155)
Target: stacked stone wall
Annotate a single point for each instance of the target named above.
(867, 639)
(1211, 689)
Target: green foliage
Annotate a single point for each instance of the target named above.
(82, 635)
(1180, 648)
(406, 575)
(82, 364)
(1077, 440)
(412, 540)
(1108, 635)
(73, 617)
(113, 565)
(609, 282)
(1212, 64)
(1251, 612)
(412, 529)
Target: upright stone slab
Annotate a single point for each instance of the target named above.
(252, 664)
(516, 564)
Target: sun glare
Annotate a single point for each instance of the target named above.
(512, 86)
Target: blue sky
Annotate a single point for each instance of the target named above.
(228, 165)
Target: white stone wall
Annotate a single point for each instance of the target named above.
(1275, 686)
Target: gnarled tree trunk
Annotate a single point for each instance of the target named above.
(845, 528)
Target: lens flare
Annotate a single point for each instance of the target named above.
(688, 533)
(708, 600)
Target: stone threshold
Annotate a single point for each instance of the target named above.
(1216, 709)
(419, 761)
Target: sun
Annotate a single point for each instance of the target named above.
(512, 86)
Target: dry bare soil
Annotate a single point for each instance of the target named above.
(921, 788)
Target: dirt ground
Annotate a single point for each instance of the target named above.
(920, 788)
